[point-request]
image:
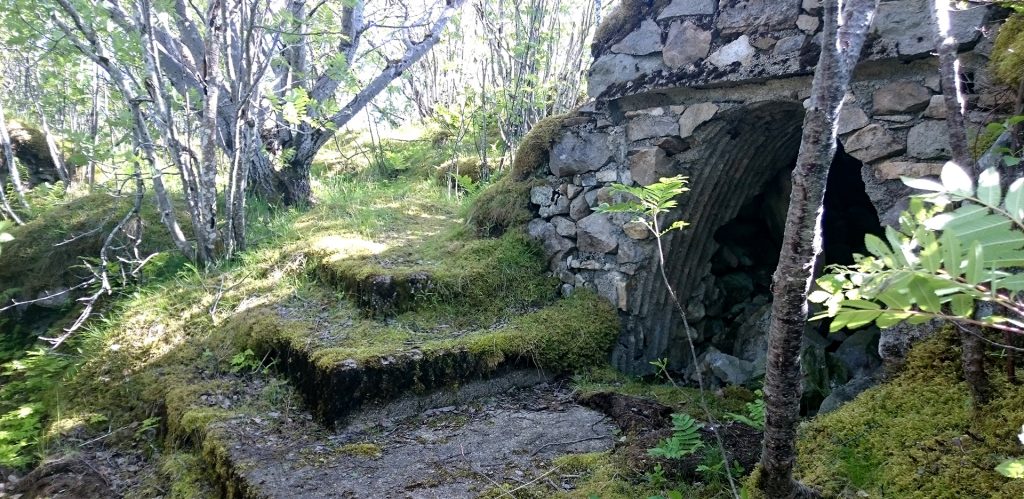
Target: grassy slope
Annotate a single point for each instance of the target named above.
(162, 347)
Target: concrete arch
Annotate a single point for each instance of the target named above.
(733, 158)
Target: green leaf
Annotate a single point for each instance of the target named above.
(862, 304)
(963, 305)
(930, 258)
(975, 264)
(1011, 468)
(890, 318)
(819, 296)
(923, 184)
(876, 246)
(853, 319)
(989, 190)
(924, 295)
(1014, 201)
(1013, 283)
(952, 255)
(899, 252)
(956, 180)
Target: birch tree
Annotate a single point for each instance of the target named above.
(843, 39)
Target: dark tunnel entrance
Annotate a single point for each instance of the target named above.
(737, 294)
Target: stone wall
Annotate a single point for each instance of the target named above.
(716, 91)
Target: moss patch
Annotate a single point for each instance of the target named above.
(501, 207)
(1007, 61)
(533, 150)
(365, 449)
(917, 436)
(453, 279)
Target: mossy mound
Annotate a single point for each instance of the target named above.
(30, 147)
(455, 278)
(46, 253)
(533, 150)
(470, 167)
(917, 435)
(500, 208)
(1007, 61)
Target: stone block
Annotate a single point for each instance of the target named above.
(647, 127)
(808, 24)
(686, 44)
(873, 142)
(648, 164)
(644, 40)
(596, 234)
(610, 69)
(688, 8)
(893, 170)
(541, 195)
(576, 154)
(564, 226)
(901, 97)
(695, 116)
(741, 16)
(738, 50)
(579, 208)
(928, 139)
(908, 24)
(789, 45)
(936, 108)
(851, 118)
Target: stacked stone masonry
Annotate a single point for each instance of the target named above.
(716, 91)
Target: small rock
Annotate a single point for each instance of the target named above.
(575, 154)
(936, 108)
(607, 175)
(730, 370)
(763, 42)
(789, 45)
(644, 40)
(636, 230)
(651, 126)
(541, 195)
(672, 145)
(929, 139)
(688, 8)
(859, 353)
(901, 97)
(686, 44)
(851, 118)
(846, 393)
(596, 234)
(579, 208)
(648, 164)
(893, 170)
(738, 50)
(808, 24)
(694, 116)
(564, 226)
(873, 142)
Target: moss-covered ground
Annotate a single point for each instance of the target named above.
(917, 435)
(163, 362)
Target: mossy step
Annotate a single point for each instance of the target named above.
(373, 363)
(474, 276)
(464, 450)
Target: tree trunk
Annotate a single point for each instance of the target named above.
(207, 233)
(10, 168)
(973, 350)
(802, 243)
